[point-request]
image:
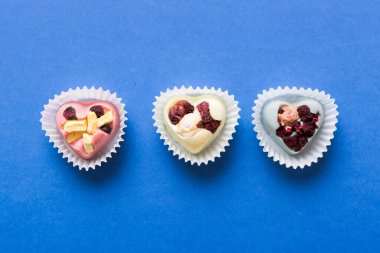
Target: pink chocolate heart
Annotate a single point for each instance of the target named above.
(101, 139)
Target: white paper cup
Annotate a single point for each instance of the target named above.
(85, 95)
(320, 140)
(218, 146)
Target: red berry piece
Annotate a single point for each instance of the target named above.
(295, 143)
(303, 110)
(307, 118)
(207, 122)
(308, 129)
(292, 142)
(179, 110)
(189, 108)
(204, 110)
(297, 127)
(69, 113)
(302, 141)
(106, 128)
(176, 113)
(281, 132)
(98, 110)
(210, 126)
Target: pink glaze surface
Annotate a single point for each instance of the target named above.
(101, 139)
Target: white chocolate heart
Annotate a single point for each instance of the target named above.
(269, 115)
(186, 132)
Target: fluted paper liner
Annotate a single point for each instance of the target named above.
(218, 145)
(318, 144)
(82, 94)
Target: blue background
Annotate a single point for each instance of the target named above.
(144, 199)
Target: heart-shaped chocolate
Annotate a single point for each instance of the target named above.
(88, 127)
(194, 121)
(292, 121)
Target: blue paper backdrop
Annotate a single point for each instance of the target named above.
(144, 199)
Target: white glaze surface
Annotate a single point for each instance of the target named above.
(269, 116)
(186, 133)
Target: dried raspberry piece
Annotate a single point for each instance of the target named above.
(308, 117)
(207, 121)
(179, 110)
(297, 127)
(280, 132)
(303, 110)
(288, 129)
(98, 110)
(176, 113)
(204, 110)
(69, 113)
(315, 118)
(308, 129)
(292, 142)
(295, 142)
(302, 141)
(189, 108)
(106, 128)
(211, 126)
